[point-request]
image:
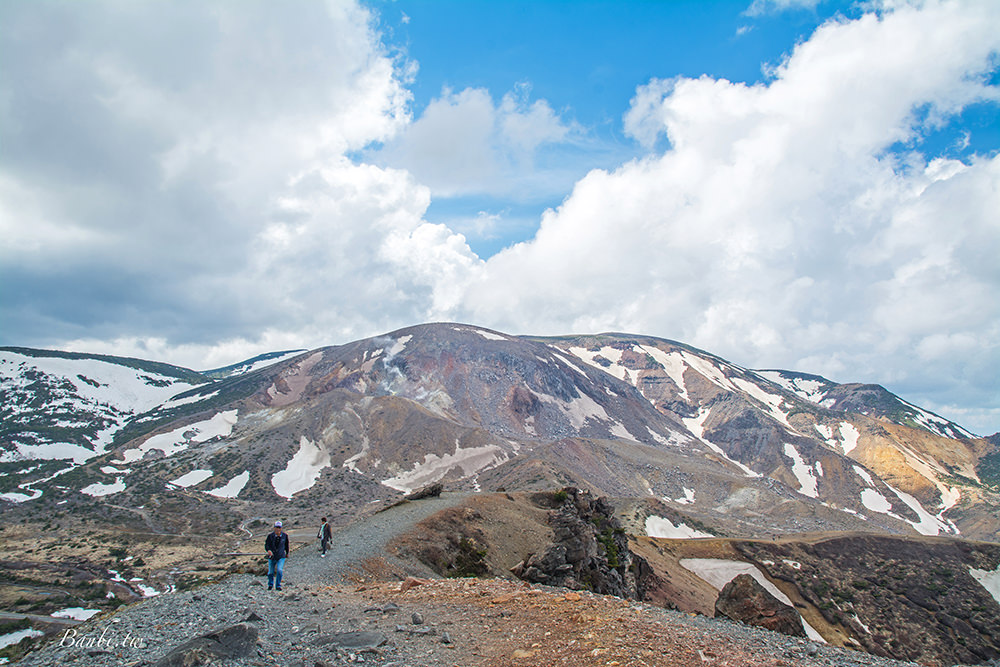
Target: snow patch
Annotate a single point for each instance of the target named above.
(811, 390)
(12, 638)
(772, 401)
(673, 365)
(302, 470)
(697, 426)
(187, 400)
(808, 484)
(863, 474)
(875, 501)
(51, 452)
(15, 497)
(658, 526)
(928, 523)
(77, 613)
(988, 580)
(569, 363)
(488, 335)
(434, 467)
(232, 488)
(687, 499)
(848, 437)
(97, 489)
(219, 426)
(191, 478)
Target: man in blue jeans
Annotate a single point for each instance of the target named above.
(276, 546)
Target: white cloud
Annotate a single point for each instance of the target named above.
(759, 7)
(464, 143)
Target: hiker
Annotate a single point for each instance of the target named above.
(276, 546)
(324, 535)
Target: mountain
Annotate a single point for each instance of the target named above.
(748, 452)
(250, 365)
(128, 475)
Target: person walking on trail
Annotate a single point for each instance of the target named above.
(324, 535)
(276, 546)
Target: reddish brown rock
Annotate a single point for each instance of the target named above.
(746, 601)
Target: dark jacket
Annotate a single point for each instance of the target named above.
(325, 533)
(278, 546)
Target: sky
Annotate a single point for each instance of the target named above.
(794, 184)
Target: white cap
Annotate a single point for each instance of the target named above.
(277, 524)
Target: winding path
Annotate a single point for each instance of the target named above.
(359, 541)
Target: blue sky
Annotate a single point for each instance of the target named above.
(789, 184)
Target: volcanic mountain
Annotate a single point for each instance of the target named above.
(745, 452)
(124, 478)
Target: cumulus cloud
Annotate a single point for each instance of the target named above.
(180, 169)
(465, 143)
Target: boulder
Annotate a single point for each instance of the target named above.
(236, 641)
(743, 599)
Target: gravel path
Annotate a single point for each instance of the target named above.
(355, 544)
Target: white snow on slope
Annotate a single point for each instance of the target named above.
(658, 526)
(434, 467)
(127, 389)
(232, 488)
(936, 424)
(583, 409)
(187, 400)
(687, 499)
(612, 354)
(875, 501)
(12, 638)
(709, 370)
(263, 363)
(54, 451)
(78, 613)
(488, 335)
(863, 474)
(933, 471)
(811, 390)
(719, 572)
(302, 470)
(928, 524)
(697, 426)
(673, 365)
(804, 473)
(772, 401)
(848, 437)
(88, 389)
(191, 478)
(97, 489)
(219, 426)
(16, 497)
(563, 358)
(989, 580)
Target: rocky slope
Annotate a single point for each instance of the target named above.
(356, 606)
